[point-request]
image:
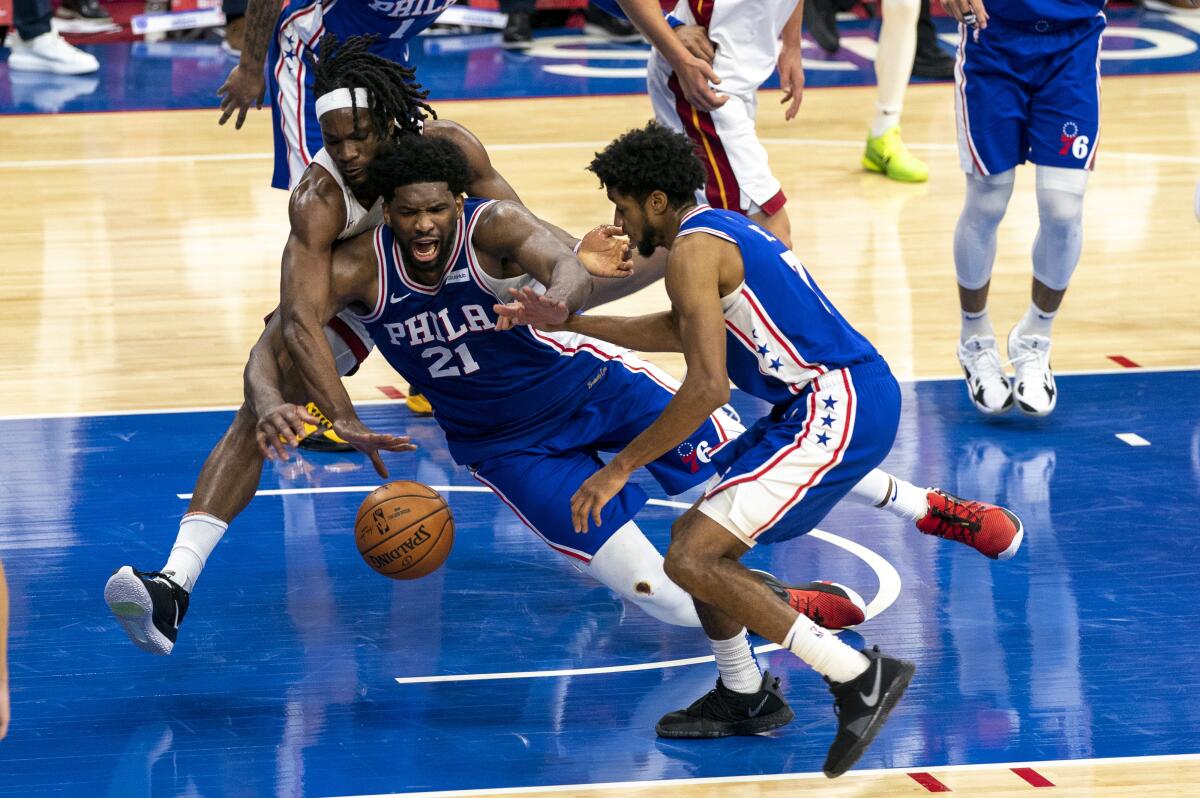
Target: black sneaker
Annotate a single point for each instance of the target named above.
(601, 22)
(518, 31)
(322, 438)
(862, 706)
(820, 20)
(83, 16)
(724, 713)
(931, 60)
(149, 607)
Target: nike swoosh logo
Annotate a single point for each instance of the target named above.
(754, 712)
(393, 299)
(873, 699)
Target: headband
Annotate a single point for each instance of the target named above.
(341, 98)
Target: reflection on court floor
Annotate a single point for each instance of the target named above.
(284, 680)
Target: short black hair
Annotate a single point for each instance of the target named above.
(652, 158)
(393, 90)
(419, 159)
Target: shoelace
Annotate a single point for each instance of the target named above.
(1030, 357)
(960, 521)
(986, 363)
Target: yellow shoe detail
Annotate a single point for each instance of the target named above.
(418, 404)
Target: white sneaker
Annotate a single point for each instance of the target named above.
(1033, 387)
(987, 385)
(50, 53)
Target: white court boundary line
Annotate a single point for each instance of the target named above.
(885, 572)
(376, 402)
(524, 147)
(768, 777)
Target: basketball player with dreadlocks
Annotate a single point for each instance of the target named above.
(365, 103)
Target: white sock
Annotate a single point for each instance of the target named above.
(902, 499)
(822, 650)
(885, 119)
(975, 323)
(198, 535)
(1036, 321)
(736, 662)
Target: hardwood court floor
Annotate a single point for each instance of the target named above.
(141, 250)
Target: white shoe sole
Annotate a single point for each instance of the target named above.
(24, 61)
(131, 605)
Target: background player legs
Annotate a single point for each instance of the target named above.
(885, 151)
(974, 255)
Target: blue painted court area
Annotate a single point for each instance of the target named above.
(174, 75)
(284, 681)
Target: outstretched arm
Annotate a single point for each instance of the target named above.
(694, 73)
(305, 302)
(694, 289)
(509, 232)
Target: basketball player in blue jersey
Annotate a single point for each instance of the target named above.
(743, 308)
(518, 409)
(1027, 89)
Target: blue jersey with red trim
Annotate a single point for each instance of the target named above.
(492, 392)
(781, 331)
(1044, 10)
(394, 22)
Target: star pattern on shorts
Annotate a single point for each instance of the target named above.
(823, 439)
(827, 420)
(830, 403)
(762, 349)
(776, 364)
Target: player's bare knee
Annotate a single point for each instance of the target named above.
(683, 565)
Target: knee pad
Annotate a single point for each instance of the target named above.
(629, 564)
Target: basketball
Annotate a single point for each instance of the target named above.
(404, 530)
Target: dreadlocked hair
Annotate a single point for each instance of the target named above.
(392, 88)
(419, 159)
(652, 158)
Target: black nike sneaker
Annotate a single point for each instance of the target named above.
(863, 705)
(149, 607)
(724, 713)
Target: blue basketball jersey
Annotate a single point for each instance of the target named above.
(492, 392)
(1052, 11)
(781, 331)
(395, 22)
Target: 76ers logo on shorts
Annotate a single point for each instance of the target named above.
(693, 456)
(1074, 143)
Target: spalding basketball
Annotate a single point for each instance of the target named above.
(404, 530)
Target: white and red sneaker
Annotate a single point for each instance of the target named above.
(992, 531)
(827, 604)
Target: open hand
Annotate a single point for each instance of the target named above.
(791, 80)
(530, 307)
(597, 491)
(242, 89)
(281, 428)
(372, 443)
(604, 252)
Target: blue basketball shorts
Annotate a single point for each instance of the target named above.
(1028, 92)
(784, 474)
(537, 482)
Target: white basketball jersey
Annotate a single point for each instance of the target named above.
(358, 218)
(747, 36)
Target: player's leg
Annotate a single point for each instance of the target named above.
(151, 605)
(775, 490)
(1064, 131)
(990, 105)
(738, 175)
(885, 152)
(633, 396)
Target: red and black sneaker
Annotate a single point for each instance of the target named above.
(992, 531)
(827, 604)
